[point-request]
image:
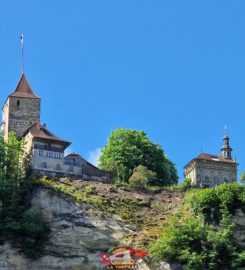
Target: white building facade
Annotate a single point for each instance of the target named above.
(211, 170)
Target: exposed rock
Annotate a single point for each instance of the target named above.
(79, 234)
(168, 266)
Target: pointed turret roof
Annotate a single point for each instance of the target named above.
(23, 89)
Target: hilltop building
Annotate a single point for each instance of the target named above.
(211, 170)
(21, 114)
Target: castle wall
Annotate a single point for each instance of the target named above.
(5, 117)
(47, 160)
(23, 112)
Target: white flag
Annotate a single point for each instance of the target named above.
(22, 40)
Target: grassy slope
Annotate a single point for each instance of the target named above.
(173, 224)
(147, 210)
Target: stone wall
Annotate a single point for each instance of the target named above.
(23, 115)
(211, 173)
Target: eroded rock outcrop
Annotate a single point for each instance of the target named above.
(79, 234)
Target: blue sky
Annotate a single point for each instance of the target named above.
(175, 69)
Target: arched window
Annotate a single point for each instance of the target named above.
(206, 179)
(44, 164)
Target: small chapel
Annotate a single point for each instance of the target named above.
(207, 170)
(21, 114)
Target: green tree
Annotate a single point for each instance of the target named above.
(142, 176)
(16, 183)
(199, 238)
(131, 148)
(242, 178)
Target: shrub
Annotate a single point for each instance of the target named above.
(179, 239)
(17, 224)
(141, 176)
(34, 233)
(210, 203)
(194, 241)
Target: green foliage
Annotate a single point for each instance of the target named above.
(195, 240)
(142, 177)
(34, 233)
(211, 203)
(239, 262)
(16, 184)
(119, 172)
(127, 149)
(177, 237)
(184, 186)
(187, 182)
(242, 178)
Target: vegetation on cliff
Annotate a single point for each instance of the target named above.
(192, 226)
(127, 149)
(145, 209)
(24, 227)
(201, 234)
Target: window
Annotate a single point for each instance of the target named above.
(71, 169)
(58, 167)
(57, 155)
(49, 154)
(40, 152)
(44, 164)
(18, 103)
(54, 155)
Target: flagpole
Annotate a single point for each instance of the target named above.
(22, 52)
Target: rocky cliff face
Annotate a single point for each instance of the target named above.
(78, 236)
(80, 233)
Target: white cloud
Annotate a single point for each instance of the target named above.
(93, 156)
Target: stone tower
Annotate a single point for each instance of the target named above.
(226, 149)
(21, 109)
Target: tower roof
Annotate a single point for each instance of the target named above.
(23, 89)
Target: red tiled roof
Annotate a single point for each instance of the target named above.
(214, 158)
(41, 132)
(23, 89)
(210, 157)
